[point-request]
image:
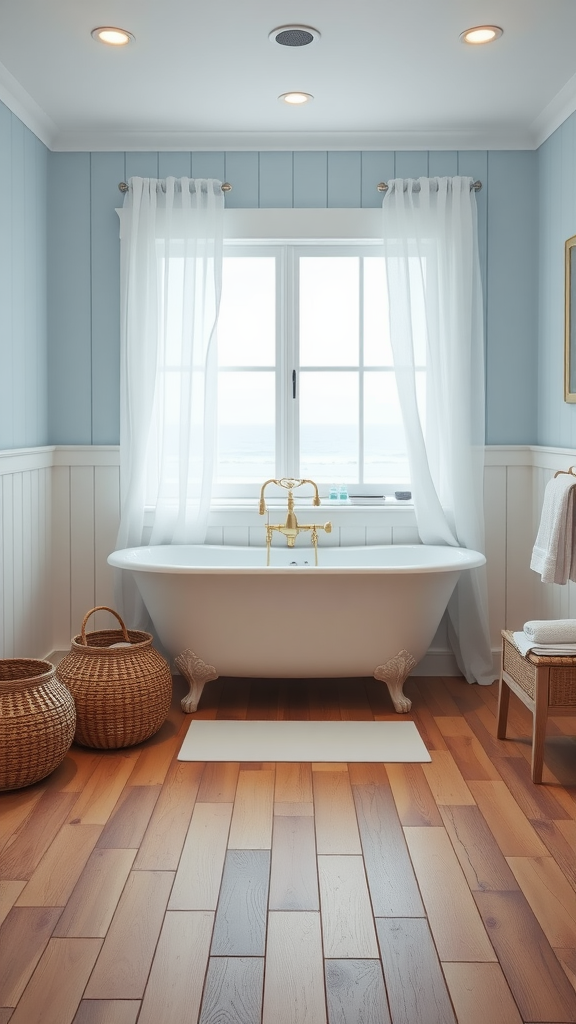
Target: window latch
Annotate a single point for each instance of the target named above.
(293, 383)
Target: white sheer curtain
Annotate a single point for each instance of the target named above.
(171, 236)
(435, 297)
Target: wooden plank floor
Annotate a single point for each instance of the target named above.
(137, 889)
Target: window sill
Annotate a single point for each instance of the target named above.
(275, 505)
(239, 512)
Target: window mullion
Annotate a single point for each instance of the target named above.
(361, 369)
(281, 335)
(291, 363)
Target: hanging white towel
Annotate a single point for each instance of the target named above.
(552, 556)
(551, 631)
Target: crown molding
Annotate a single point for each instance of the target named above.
(233, 141)
(26, 109)
(556, 112)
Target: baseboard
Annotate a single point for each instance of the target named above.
(441, 662)
(437, 662)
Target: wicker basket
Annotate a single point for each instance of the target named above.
(122, 693)
(37, 721)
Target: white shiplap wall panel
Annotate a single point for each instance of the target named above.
(379, 534)
(34, 613)
(352, 536)
(256, 536)
(405, 535)
(236, 535)
(82, 545)
(61, 566)
(521, 582)
(106, 518)
(8, 544)
(27, 618)
(25, 555)
(86, 514)
(43, 563)
(214, 535)
(19, 627)
(495, 547)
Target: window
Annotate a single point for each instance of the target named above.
(306, 378)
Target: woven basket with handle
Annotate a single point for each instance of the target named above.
(37, 721)
(121, 685)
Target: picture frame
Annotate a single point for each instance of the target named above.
(570, 319)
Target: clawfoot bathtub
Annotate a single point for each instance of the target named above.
(220, 610)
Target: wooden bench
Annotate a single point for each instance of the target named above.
(546, 685)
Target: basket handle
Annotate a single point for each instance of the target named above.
(102, 608)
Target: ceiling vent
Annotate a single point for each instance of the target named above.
(294, 35)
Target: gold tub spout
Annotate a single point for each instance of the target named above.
(291, 528)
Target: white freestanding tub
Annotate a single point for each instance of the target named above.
(220, 610)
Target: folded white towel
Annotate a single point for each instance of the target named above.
(552, 554)
(524, 644)
(551, 631)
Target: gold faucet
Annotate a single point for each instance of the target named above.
(291, 528)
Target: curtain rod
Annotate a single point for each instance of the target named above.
(124, 187)
(383, 186)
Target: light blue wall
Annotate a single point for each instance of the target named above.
(23, 256)
(84, 265)
(59, 270)
(557, 222)
(511, 296)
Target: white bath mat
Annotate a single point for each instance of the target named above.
(302, 741)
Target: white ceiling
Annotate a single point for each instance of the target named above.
(384, 75)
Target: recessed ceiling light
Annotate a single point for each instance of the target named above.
(293, 35)
(295, 98)
(480, 34)
(112, 36)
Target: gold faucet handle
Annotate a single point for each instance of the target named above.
(328, 527)
(262, 505)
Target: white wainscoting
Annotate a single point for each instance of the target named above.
(85, 515)
(59, 512)
(25, 553)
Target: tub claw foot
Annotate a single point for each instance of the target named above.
(394, 673)
(196, 673)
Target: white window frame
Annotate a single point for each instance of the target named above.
(245, 231)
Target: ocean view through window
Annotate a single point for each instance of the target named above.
(306, 382)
